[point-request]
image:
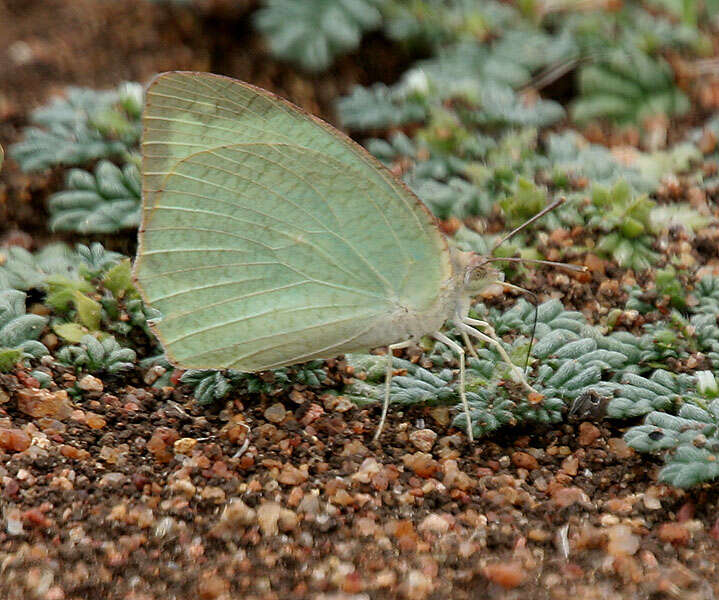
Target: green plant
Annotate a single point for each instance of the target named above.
(624, 219)
(378, 107)
(104, 300)
(210, 386)
(105, 201)
(690, 438)
(19, 330)
(436, 23)
(83, 126)
(627, 86)
(311, 33)
(95, 355)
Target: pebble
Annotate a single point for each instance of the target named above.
(213, 494)
(441, 415)
(423, 439)
(570, 465)
(588, 433)
(44, 403)
(183, 487)
(619, 448)
(15, 440)
(276, 413)
(88, 383)
(566, 496)
(268, 514)
(509, 575)
(314, 412)
(674, 533)
(94, 421)
(417, 585)
(236, 515)
(112, 480)
(212, 586)
(454, 478)
(291, 475)
(421, 463)
(622, 542)
(524, 460)
(651, 499)
(434, 523)
(184, 445)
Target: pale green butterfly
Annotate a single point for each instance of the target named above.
(269, 238)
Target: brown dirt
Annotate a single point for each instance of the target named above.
(134, 493)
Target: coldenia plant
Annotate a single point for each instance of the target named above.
(627, 86)
(311, 33)
(82, 127)
(19, 331)
(105, 201)
(94, 355)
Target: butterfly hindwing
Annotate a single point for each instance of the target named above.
(269, 238)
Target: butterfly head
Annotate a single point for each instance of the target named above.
(478, 273)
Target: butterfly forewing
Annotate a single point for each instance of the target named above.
(268, 237)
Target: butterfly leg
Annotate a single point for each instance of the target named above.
(388, 382)
(466, 325)
(469, 345)
(440, 337)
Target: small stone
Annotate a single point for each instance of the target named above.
(434, 523)
(291, 475)
(13, 524)
(233, 519)
(160, 440)
(112, 480)
(454, 478)
(418, 585)
(524, 460)
(153, 374)
(44, 403)
(15, 440)
(367, 470)
(94, 421)
(619, 448)
(570, 465)
(674, 533)
(90, 384)
(276, 413)
(212, 586)
(566, 496)
(288, 520)
(184, 445)
(440, 414)
(588, 433)
(183, 487)
(423, 439)
(651, 499)
(314, 412)
(619, 506)
(622, 542)
(342, 498)
(509, 575)
(213, 494)
(421, 463)
(268, 514)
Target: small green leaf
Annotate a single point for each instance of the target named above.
(9, 357)
(88, 311)
(119, 279)
(70, 332)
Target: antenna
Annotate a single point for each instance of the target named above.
(528, 222)
(536, 261)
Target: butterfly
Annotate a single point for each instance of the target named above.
(269, 238)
